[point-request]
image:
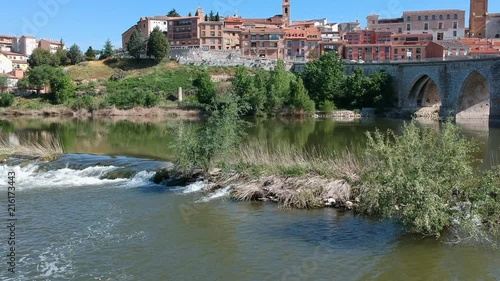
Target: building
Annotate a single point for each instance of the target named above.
(302, 44)
(446, 49)
(479, 47)
(394, 25)
(331, 46)
(493, 26)
(442, 24)
(24, 45)
(286, 6)
(6, 43)
(145, 25)
(330, 32)
(231, 38)
(408, 47)
(477, 19)
(263, 42)
(50, 45)
(211, 35)
(5, 64)
(184, 32)
(349, 26)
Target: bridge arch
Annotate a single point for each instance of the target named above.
(424, 93)
(474, 98)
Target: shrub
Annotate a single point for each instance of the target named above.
(327, 107)
(6, 99)
(127, 99)
(82, 102)
(418, 177)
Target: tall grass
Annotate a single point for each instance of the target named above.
(47, 148)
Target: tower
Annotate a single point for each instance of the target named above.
(286, 13)
(477, 19)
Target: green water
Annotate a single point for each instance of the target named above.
(77, 223)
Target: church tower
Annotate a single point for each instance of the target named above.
(286, 13)
(477, 20)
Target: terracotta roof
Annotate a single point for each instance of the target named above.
(55, 42)
(7, 53)
(6, 36)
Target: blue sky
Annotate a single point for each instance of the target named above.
(91, 22)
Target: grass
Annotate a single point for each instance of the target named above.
(47, 149)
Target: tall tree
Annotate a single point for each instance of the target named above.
(217, 17)
(158, 46)
(61, 57)
(299, 98)
(108, 51)
(206, 89)
(189, 14)
(211, 16)
(196, 13)
(90, 54)
(75, 54)
(40, 57)
(173, 13)
(135, 46)
(206, 17)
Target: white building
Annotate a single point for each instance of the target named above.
(5, 64)
(24, 45)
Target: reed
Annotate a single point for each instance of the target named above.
(48, 148)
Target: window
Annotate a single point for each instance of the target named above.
(426, 26)
(419, 18)
(212, 27)
(455, 24)
(455, 16)
(262, 37)
(400, 30)
(302, 44)
(203, 33)
(454, 33)
(433, 17)
(448, 17)
(395, 51)
(440, 17)
(408, 27)
(440, 25)
(212, 33)
(253, 37)
(289, 44)
(497, 36)
(408, 18)
(426, 17)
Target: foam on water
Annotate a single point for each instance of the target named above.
(33, 177)
(218, 194)
(194, 187)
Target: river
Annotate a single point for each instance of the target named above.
(94, 215)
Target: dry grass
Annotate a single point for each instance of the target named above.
(47, 149)
(92, 70)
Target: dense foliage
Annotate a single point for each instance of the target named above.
(90, 54)
(207, 91)
(6, 99)
(136, 45)
(425, 179)
(107, 51)
(158, 46)
(75, 54)
(52, 80)
(326, 80)
(173, 13)
(130, 98)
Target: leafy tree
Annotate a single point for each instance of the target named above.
(75, 54)
(39, 77)
(40, 57)
(61, 86)
(90, 54)
(173, 13)
(6, 99)
(135, 46)
(278, 91)
(243, 86)
(108, 51)
(323, 78)
(207, 91)
(158, 46)
(3, 83)
(61, 57)
(299, 98)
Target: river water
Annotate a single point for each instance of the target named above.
(94, 215)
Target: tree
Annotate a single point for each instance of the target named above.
(39, 77)
(206, 17)
(189, 14)
(299, 98)
(61, 57)
(75, 54)
(108, 51)
(158, 46)
(40, 57)
(211, 16)
(3, 83)
(323, 78)
(217, 17)
(173, 13)
(196, 13)
(61, 86)
(206, 89)
(135, 46)
(278, 91)
(90, 54)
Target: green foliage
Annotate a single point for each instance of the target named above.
(108, 51)
(207, 91)
(158, 46)
(61, 57)
(323, 77)
(3, 83)
(418, 177)
(485, 200)
(61, 86)
(81, 102)
(136, 46)
(6, 99)
(75, 54)
(278, 91)
(127, 99)
(41, 57)
(299, 98)
(39, 77)
(327, 107)
(209, 145)
(173, 13)
(90, 54)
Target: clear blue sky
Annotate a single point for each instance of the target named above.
(91, 22)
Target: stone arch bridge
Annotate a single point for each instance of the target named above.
(466, 89)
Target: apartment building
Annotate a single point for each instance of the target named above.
(263, 42)
(5, 64)
(394, 25)
(407, 47)
(331, 46)
(446, 49)
(211, 35)
(6, 43)
(145, 26)
(24, 45)
(231, 38)
(184, 32)
(50, 45)
(302, 44)
(442, 24)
